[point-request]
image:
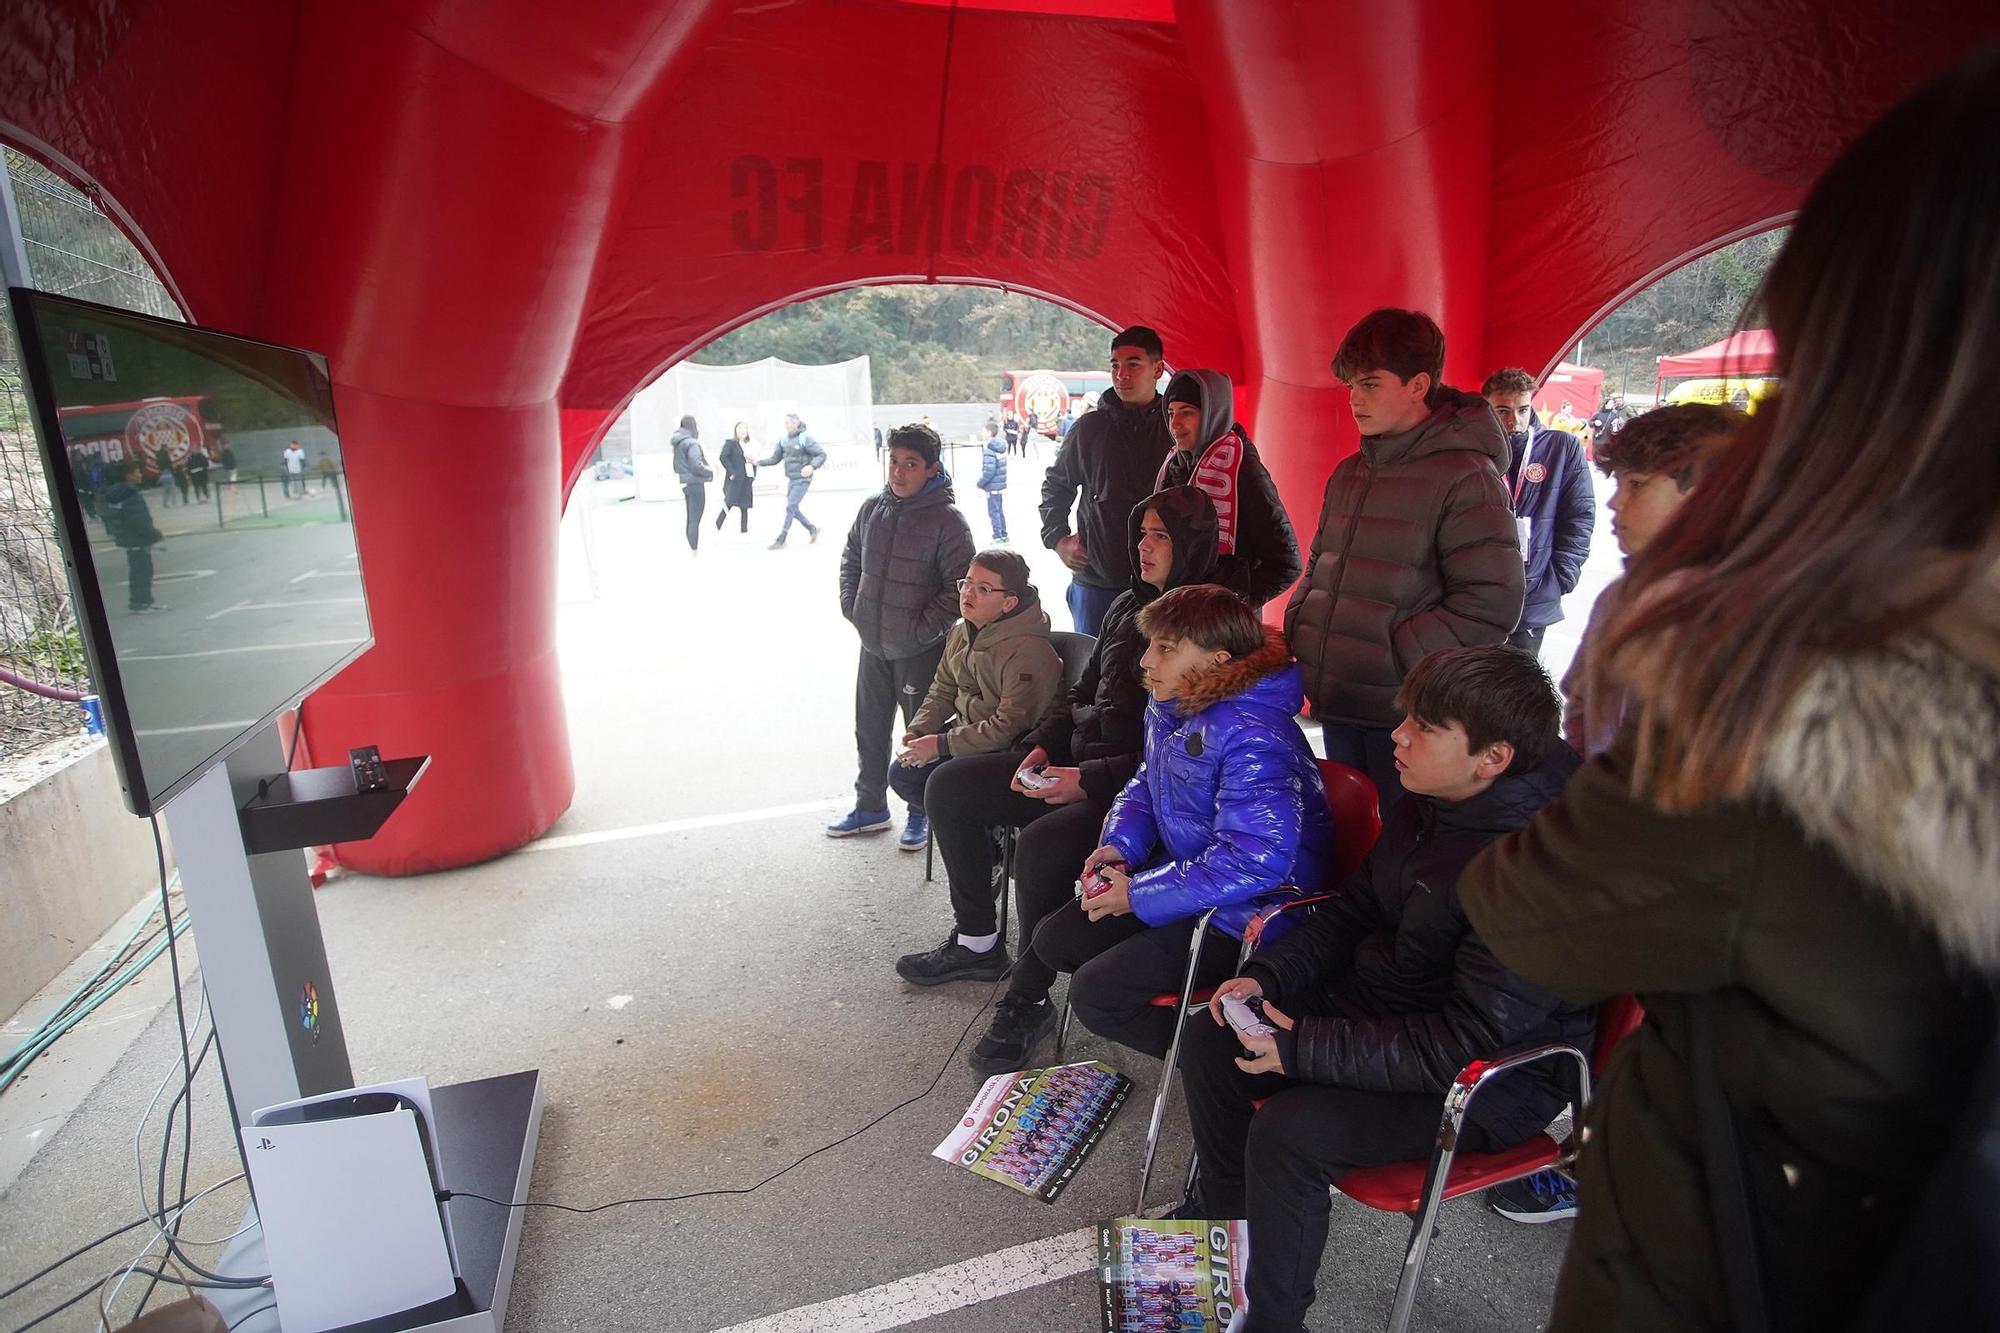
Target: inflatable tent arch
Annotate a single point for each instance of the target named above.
(498, 219)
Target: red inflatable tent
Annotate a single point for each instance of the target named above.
(500, 220)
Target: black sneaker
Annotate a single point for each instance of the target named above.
(1017, 1026)
(1546, 1196)
(952, 961)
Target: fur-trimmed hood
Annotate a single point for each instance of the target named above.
(1262, 674)
(1891, 757)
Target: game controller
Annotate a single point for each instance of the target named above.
(1034, 779)
(1097, 881)
(1247, 1021)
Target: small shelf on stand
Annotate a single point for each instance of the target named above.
(317, 806)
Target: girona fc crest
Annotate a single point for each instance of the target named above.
(1044, 395)
(162, 425)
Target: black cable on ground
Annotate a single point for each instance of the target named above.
(747, 1189)
(171, 1232)
(76, 1253)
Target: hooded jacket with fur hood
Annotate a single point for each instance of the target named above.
(1840, 921)
(1258, 554)
(1228, 810)
(1416, 551)
(993, 683)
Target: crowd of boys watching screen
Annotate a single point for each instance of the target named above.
(1760, 800)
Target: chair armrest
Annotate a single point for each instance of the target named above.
(1253, 931)
(1475, 1076)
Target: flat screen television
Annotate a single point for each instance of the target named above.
(202, 503)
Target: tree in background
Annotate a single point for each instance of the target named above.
(928, 344)
(1697, 304)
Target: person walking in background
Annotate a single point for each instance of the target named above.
(228, 460)
(691, 466)
(1554, 508)
(129, 524)
(1111, 456)
(1011, 428)
(993, 480)
(1790, 855)
(899, 574)
(737, 477)
(295, 470)
(802, 456)
(163, 474)
(197, 470)
(181, 481)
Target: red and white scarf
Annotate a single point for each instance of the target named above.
(1215, 473)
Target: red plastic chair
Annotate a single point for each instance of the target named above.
(1356, 816)
(1420, 1188)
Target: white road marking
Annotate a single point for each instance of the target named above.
(244, 648)
(346, 574)
(286, 606)
(678, 826)
(925, 1295)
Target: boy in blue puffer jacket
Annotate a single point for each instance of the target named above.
(1226, 810)
(993, 479)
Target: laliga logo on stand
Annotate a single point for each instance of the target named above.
(162, 424)
(1044, 395)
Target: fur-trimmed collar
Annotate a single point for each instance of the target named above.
(1892, 758)
(1236, 675)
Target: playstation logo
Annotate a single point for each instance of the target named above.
(265, 1145)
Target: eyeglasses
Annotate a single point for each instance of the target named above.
(983, 589)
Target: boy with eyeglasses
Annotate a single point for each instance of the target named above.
(998, 674)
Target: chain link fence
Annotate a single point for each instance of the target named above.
(70, 249)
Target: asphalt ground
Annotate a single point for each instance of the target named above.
(710, 1001)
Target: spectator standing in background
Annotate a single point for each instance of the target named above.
(295, 470)
(993, 480)
(738, 477)
(1554, 509)
(1259, 556)
(691, 466)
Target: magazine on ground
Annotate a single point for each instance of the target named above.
(1168, 1275)
(1031, 1129)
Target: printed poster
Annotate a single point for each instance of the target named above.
(1031, 1129)
(1171, 1275)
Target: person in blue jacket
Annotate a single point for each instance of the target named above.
(1227, 810)
(1554, 507)
(993, 479)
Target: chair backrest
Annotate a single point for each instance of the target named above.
(1075, 650)
(1356, 812)
(1617, 1018)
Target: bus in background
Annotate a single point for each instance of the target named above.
(1050, 395)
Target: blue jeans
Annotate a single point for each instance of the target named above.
(795, 491)
(996, 515)
(1371, 750)
(1087, 605)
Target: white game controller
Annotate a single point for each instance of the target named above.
(1034, 779)
(1243, 1018)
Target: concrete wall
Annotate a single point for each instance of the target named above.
(73, 859)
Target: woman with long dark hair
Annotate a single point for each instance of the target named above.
(1792, 855)
(737, 475)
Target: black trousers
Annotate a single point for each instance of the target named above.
(742, 512)
(881, 686)
(1529, 639)
(969, 795)
(1274, 1166)
(1117, 965)
(697, 500)
(139, 577)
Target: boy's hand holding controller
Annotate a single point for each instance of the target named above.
(918, 751)
(1056, 786)
(1261, 1046)
(1107, 888)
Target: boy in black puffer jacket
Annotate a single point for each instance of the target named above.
(1385, 992)
(899, 574)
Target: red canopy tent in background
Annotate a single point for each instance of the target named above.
(1739, 356)
(501, 220)
(1578, 388)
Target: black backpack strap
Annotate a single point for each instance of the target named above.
(1728, 1191)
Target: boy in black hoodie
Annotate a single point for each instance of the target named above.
(1089, 744)
(1384, 993)
(1257, 552)
(129, 523)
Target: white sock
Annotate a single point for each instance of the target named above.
(980, 943)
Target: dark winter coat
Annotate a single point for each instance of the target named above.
(1415, 552)
(127, 520)
(736, 476)
(900, 570)
(1836, 923)
(1259, 553)
(1553, 496)
(690, 464)
(795, 452)
(1099, 727)
(1392, 989)
(993, 466)
(1112, 456)
(1228, 810)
